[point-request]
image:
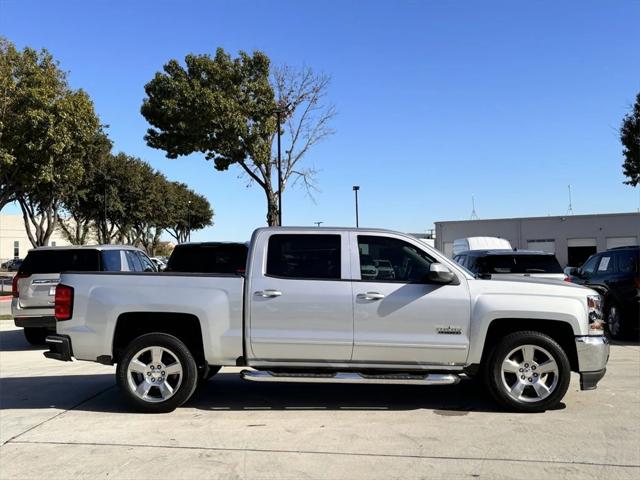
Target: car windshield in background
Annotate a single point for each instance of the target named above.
(520, 264)
(214, 258)
(56, 261)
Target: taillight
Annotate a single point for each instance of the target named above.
(14, 284)
(63, 302)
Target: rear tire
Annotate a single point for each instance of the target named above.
(528, 372)
(157, 373)
(36, 335)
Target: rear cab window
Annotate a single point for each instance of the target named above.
(56, 261)
(209, 258)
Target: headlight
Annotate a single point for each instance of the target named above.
(596, 324)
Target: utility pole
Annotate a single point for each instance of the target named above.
(355, 189)
(318, 223)
(189, 217)
(278, 115)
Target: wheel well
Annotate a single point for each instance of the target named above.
(183, 326)
(561, 332)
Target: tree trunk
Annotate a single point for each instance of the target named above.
(272, 208)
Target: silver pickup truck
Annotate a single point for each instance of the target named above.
(305, 312)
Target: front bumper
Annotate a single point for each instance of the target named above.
(59, 348)
(593, 354)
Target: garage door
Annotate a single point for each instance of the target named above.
(613, 242)
(548, 246)
(581, 242)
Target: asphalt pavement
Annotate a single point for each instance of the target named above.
(68, 420)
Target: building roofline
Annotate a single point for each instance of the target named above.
(562, 217)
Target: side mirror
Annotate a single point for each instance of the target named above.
(438, 273)
(572, 271)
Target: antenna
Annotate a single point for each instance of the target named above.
(474, 215)
(570, 209)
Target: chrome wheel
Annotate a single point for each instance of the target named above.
(154, 374)
(529, 373)
(614, 321)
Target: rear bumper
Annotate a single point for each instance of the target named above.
(45, 321)
(59, 348)
(593, 354)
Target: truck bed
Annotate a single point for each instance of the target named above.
(215, 299)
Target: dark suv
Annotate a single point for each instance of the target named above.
(35, 283)
(615, 274)
(509, 263)
(209, 257)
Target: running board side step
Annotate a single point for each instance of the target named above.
(352, 377)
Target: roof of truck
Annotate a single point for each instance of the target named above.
(87, 247)
(504, 251)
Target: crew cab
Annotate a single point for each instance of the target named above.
(304, 311)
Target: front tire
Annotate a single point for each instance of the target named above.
(36, 335)
(157, 373)
(528, 372)
(615, 324)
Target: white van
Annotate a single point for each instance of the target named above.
(480, 243)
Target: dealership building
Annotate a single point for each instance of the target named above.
(572, 238)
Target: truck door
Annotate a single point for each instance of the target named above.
(300, 306)
(398, 316)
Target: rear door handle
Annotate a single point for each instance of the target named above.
(371, 296)
(268, 293)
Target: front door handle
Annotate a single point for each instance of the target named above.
(371, 296)
(268, 293)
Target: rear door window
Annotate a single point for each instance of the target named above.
(304, 256)
(56, 261)
(627, 262)
(111, 261)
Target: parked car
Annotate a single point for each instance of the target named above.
(160, 264)
(480, 243)
(209, 257)
(502, 263)
(304, 312)
(615, 274)
(12, 265)
(33, 287)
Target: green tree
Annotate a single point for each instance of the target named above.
(45, 131)
(630, 138)
(83, 206)
(226, 108)
(189, 211)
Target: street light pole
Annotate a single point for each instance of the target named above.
(355, 189)
(278, 114)
(189, 217)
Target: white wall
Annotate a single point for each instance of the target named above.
(12, 230)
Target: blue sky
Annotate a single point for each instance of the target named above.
(507, 101)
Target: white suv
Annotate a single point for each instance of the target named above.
(35, 283)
